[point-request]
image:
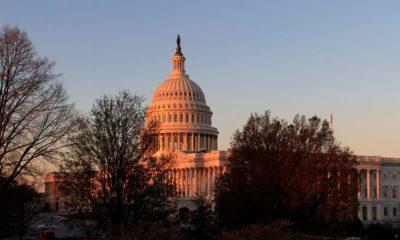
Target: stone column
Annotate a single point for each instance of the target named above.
(181, 182)
(210, 188)
(175, 183)
(168, 141)
(185, 142)
(190, 182)
(165, 141)
(368, 185)
(205, 177)
(206, 142)
(214, 177)
(198, 141)
(178, 183)
(195, 181)
(161, 141)
(187, 181)
(179, 141)
(192, 141)
(178, 180)
(200, 183)
(211, 182)
(184, 182)
(203, 184)
(378, 186)
(206, 187)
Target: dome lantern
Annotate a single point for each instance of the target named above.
(178, 60)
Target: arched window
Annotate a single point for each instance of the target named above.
(169, 118)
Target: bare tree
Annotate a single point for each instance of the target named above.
(35, 116)
(111, 167)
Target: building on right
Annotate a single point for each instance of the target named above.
(379, 189)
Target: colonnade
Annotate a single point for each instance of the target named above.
(191, 182)
(187, 141)
(370, 187)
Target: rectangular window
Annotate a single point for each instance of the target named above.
(385, 211)
(187, 117)
(394, 212)
(394, 194)
(169, 118)
(175, 118)
(385, 195)
(181, 117)
(364, 213)
(192, 118)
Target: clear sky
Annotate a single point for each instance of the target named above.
(289, 57)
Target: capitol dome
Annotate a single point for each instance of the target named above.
(180, 109)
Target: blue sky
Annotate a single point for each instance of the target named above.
(289, 57)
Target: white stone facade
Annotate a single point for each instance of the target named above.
(379, 189)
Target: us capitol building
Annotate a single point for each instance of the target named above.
(185, 131)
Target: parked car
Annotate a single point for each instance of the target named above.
(185, 227)
(46, 227)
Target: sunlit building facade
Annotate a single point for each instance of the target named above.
(379, 189)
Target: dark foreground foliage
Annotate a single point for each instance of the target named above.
(18, 204)
(295, 171)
